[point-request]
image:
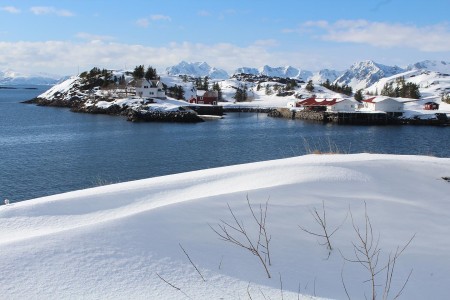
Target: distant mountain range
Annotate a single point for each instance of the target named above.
(361, 75)
(197, 69)
(10, 77)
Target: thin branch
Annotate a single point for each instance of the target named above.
(281, 286)
(239, 236)
(343, 282)
(192, 263)
(367, 253)
(248, 291)
(175, 287)
(321, 219)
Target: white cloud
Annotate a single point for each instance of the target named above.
(49, 10)
(160, 18)
(266, 43)
(204, 13)
(62, 57)
(94, 37)
(143, 22)
(433, 38)
(10, 9)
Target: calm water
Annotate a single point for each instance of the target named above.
(46, 150)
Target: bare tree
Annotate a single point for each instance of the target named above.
(325, 233)
(367, 253)
(238, 235)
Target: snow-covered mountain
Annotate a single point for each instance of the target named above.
(282, 72)
(365, 73)
(286, 72)
(324, 75)
(247, 70)
(10, 77)
(431, 65)
(197, 69)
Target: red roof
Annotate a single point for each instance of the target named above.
(370, 100)
(318, 102)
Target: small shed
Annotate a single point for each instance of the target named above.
(206, 97)
(431, 106)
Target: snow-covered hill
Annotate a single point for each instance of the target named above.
(197, 69)
(431, 65)
(10, 77)
(135, 240)
(363, 74)
(431, 84)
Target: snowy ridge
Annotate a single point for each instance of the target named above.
(118, 241)
(282, 72)
(431, 84)
(197, 69)
(431, 65)
(363, 74)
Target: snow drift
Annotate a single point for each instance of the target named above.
(120, 241)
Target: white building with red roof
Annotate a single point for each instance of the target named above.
(382, 104)
(324, 104)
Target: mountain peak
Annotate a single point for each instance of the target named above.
(365, 73)
(197, 69)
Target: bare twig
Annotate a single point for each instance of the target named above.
(321, 219)
(237, 234)
(281, 287)
(172, 285)
(220, 263)
(248, 291)
(367, 253)
(192, 263)
(343, 282)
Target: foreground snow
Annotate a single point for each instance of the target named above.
(114, 241)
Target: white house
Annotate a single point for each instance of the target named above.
(345, 105)
(331, 105)
(150, 89)
(383, 104)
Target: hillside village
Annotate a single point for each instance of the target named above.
(420, 93)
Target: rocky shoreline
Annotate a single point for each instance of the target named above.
(358, 118)
(143, 114)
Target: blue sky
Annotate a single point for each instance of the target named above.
(64, 36)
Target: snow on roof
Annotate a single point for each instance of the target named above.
(320, 102)
(384, 98)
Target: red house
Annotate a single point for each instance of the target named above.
(206, 97)
(431, 106)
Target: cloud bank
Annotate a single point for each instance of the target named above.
(434, 38)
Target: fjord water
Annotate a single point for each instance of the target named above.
(45, 150)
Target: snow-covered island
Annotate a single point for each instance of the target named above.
(367, 91)
(159, 238)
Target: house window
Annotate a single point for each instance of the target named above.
(145, 86)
